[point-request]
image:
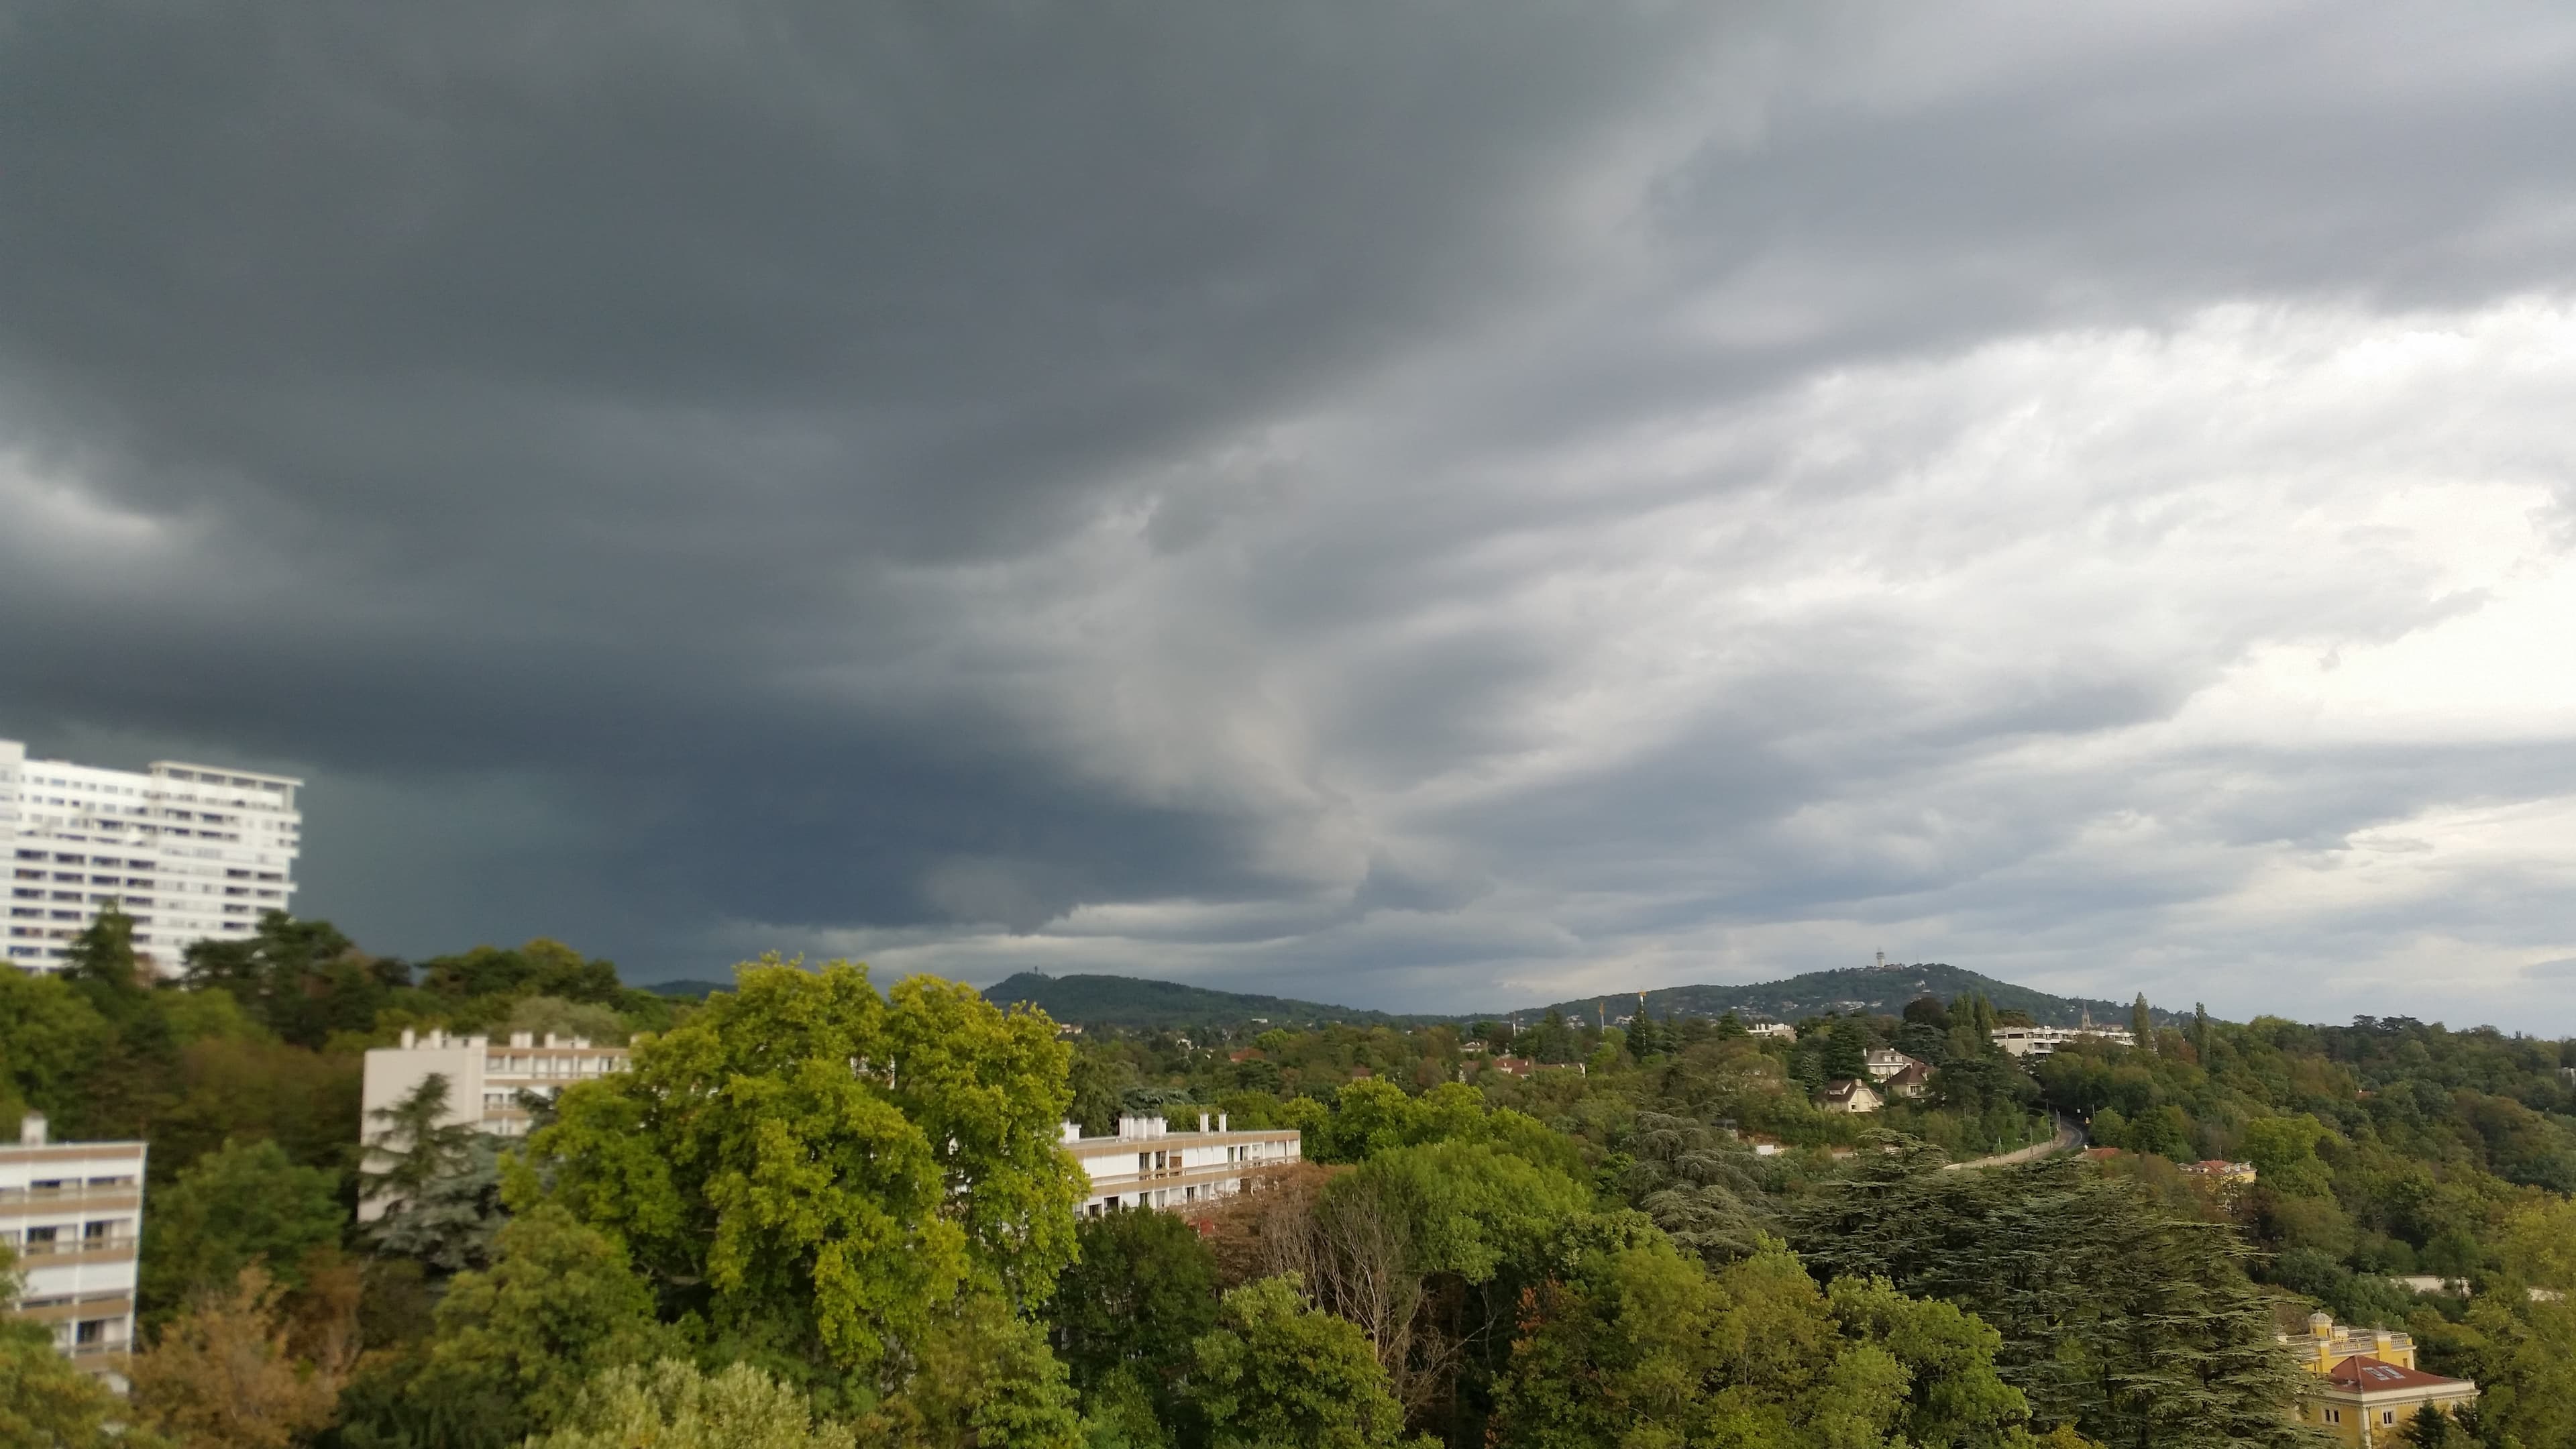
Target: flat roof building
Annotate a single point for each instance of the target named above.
(2040, 1041)
(72, 1213)
(191, 852)
(484, 1079)
(1146, 1164)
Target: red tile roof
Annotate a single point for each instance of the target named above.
(2370, 1376)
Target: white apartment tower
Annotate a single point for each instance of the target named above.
(192, 852)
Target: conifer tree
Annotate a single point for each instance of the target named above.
(413, 1145)
(2135, 1325)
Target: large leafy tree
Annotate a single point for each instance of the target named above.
(128, 1078)
(49, 1036)
(1637, 1341)
(823, 1169)
(303, 979)
(675, 1405)
(539, 968)
(982, 1378)
(236, 1081)
(559, 1306)
(244, 1205)
(234, 1371)
(1142, 1291)
(1276, 1372)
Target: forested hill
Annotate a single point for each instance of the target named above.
(1857, 989)
(1132, 1001)
(1135, 1001)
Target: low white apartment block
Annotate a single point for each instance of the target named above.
(1149, 1165)
(72, 1213)
(2040, 1041)
(484, 1079)
(192, 852)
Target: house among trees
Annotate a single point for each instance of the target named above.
(1885, 1062)
(1848, 1094)
(2366, 1389)
(2221, 1171)
(1911, 1083)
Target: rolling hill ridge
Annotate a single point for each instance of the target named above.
(1129, 1001)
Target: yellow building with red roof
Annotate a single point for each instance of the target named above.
(2366, 1385)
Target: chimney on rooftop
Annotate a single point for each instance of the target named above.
(1203, 1122)
(410, 1038)
(31, 1130)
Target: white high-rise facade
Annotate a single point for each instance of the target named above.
(192, 852)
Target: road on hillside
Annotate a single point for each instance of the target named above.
(2069, 1138)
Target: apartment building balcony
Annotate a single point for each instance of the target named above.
(70, 1252)
(103, 1197)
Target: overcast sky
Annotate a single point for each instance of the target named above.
(1414, 505)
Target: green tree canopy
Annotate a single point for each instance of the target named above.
(982, 1378)
(1639, 1344)
(243, 1205)
(559, 1306)
(2118, 1315)
(539, 968)
(828, 1166)
(1274, 1372)
(304, 980)
(1139, 1294)
(50, 1034)
(676, 1405)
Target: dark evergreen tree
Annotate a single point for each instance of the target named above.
(2135, 1325)
(411, 1145)
(1698, 1186)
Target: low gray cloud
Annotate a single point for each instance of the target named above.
(1405, 506)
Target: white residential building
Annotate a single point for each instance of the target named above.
(192, 852)
(1148, 1165)
(1850, 1095)
(2040, 1041)
(72, 1213)
(484, 1079)
(1884, 1063)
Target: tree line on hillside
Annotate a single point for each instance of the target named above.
(817, 1213)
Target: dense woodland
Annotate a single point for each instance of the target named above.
(821, 1213)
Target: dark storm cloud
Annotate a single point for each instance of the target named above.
(1231, 489)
